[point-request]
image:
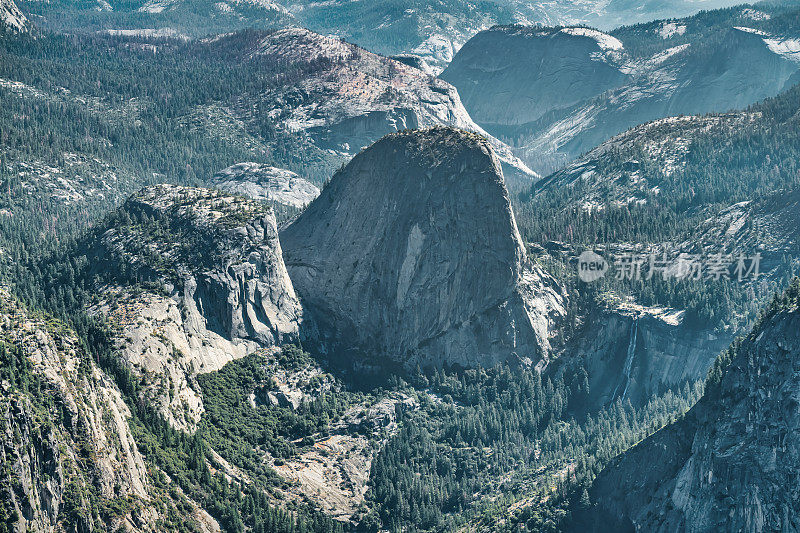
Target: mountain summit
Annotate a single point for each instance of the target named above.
(412, 252)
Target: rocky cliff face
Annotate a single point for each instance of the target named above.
(218, 289)
(345, 98)
(554, 94)
(731, 463)
(533, 71)
(700, 160)
(266, 183)
(66, 440)
(412, 253)
(634, 353)
(11, 18)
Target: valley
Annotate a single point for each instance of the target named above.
(321, 266)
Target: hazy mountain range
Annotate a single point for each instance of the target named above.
(556, 93)
(434, 30)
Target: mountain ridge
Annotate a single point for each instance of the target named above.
(431, 29)
(616, 80)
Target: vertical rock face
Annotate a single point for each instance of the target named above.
(554, 93)
(65, 435)
(731, 463)
(412, 253)
(638, 353)
(225, 252)
(11, 18)
(513, 75)
(226, 292)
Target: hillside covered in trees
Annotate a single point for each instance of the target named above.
(163, 367)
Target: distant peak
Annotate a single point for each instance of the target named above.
(263, 182)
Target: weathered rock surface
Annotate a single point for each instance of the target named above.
(226, 291)
(554, 68)
(634, 353)
(412, 253)
(344, 98)
(11, 18)
(262, 182)
(731, 463)
(66, 437)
